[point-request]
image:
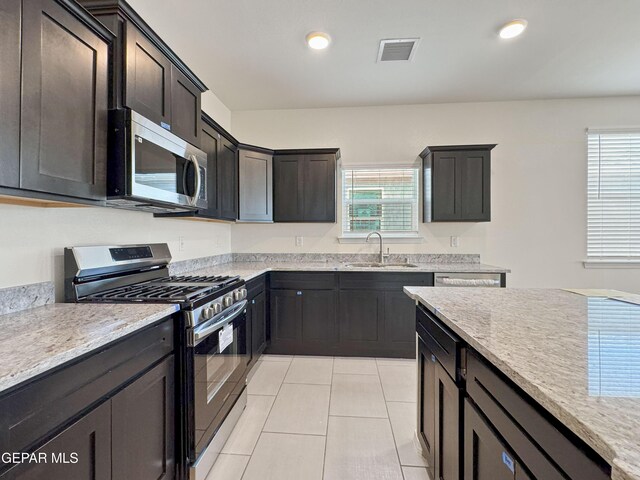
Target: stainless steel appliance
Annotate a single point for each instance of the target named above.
(491, 280)
(152, 169)
(213, 349)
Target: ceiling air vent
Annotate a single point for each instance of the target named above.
(397, 49)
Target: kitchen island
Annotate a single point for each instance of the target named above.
(574, 359)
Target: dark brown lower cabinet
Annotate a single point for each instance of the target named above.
(318, 316)
(448, 417)
(399, 332)
(144, 427)
(115, 409)
(81, 452)
(302, 321)
(440, 397)
(258, 312)
(427, 404)
(485, 456)
(352, 314)
(286, 328)
(361, 319)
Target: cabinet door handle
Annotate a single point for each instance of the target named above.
(299, 293)
(253, 302)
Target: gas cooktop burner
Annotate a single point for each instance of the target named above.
(140, 273)
(217, 279)
(149, 292)
(169, 289)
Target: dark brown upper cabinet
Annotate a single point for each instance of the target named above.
(255, 184)
(304, 185)
(185, 107)
(10, 93)
(54, 125)
(228, 179)
(210, 144)
(457, 183)
(222, 173)
(148, 76)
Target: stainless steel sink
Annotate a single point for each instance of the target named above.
(380, 265)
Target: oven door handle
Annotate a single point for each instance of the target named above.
(216, 323)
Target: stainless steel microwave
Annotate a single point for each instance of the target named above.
(152, 169)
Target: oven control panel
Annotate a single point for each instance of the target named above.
(216, 307)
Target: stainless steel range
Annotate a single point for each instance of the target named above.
(213, 349)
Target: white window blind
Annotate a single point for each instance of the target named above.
(384, 199)
(614, 348)
(613, 224)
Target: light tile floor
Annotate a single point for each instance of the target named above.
(326, 418)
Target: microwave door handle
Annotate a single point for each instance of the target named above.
(196, 193)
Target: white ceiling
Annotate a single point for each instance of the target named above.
(252, 54)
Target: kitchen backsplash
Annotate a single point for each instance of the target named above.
(354, 257)
(13, 299)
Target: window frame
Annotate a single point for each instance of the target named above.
(613, 261)
(396, 236)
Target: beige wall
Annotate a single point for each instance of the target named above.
(538, 173)
(217, 110)
(32, 239)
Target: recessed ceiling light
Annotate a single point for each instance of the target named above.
(318, 40)
(513, 28)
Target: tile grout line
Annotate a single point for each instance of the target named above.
(393, 435)
(297, 433)
(266, 418)
(326, 438)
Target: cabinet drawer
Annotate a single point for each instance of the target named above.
(384, 280)
(530, 431)
(303, 281)
(444, 344)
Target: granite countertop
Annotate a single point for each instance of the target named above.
(575, 355)
(249, 270)
(38, 339)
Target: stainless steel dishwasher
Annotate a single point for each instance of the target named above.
(490, 280)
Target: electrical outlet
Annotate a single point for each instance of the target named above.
(181, 244)
(299, 241)
(455, 242)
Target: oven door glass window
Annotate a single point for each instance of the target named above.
(219, 378)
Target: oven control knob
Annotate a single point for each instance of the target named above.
(217, 308)
(239, 294)
(244, 292)
(228, 301)
(207, 313)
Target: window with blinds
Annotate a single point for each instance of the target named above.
(384, 199)
(613, 224)
(614, 348)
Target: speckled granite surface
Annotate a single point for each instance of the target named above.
(13, 299)
(183, 266)
(328, 261)
(262, 263)
(354, 257)
(573, 354)
(36, 340)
